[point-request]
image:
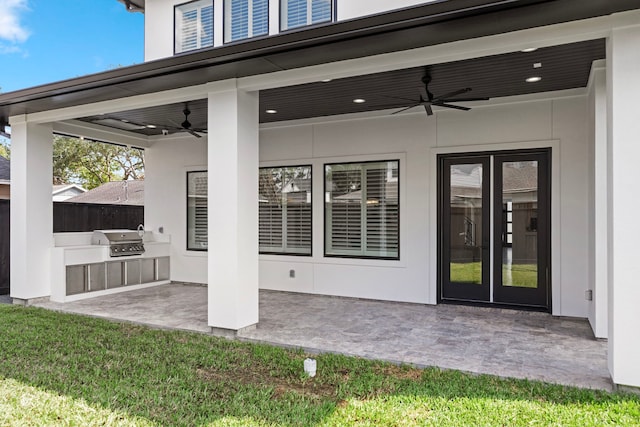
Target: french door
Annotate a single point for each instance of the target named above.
(494, 228)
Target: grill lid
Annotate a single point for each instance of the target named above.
(110, 237)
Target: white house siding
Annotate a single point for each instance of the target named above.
(414, 139)
(166, 166)
(159, 23)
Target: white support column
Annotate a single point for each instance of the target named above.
(31, 209)
(623, 128)
(598, 205)
(233, 209)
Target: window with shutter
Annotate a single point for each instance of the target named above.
(298, 13)
(284, 208)
(362, 214)
(245, 18)
(193, 26)
(197, 211)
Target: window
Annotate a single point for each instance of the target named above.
(197, 212)
(298, 13)
(245, 18)
(361, 209)
(285, 210)
(194, 25)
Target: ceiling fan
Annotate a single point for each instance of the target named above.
(438, 101)
(185, 126)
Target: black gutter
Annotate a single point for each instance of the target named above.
(430, 24)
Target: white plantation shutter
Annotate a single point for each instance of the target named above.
(197, 211)
(298, 13)
(362, 211)
(194, 26)
(284, 208)
(346, 210)
(246, 18)
(382, 211)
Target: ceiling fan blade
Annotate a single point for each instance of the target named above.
(194, 133)
(464, 99)
(451, 94)
(399, 98)
(428, 109)
(455, 107)
(405, 109)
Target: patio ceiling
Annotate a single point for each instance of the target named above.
(560, 67)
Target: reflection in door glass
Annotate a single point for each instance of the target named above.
(466, 224)
(520, 224)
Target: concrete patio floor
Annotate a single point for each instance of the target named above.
(507, 343)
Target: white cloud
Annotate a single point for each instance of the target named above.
(11, 29)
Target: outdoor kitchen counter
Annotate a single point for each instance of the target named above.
(74, 255)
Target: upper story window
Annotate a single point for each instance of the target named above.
(245, 18)
(194, 25)
(298, 13)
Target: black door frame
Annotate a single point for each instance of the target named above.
(541, 296)
(463, 291)
(541, 301)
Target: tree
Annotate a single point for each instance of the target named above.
(5, 149)
(91, 163)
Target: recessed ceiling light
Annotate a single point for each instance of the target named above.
(529, 49)
(537, 65)
(151, 126)
(124, 120)
(533, 79)
(359, 101)
(271, 111)
(326, 80)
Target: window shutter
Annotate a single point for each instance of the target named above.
(382, 210)
(362, 211)
(189, 33)
(260, 18)
(246, 18)
(285, 210)
(346, 210)
(194, 26)
(239, 19)
(206, 26)
(320, 11)
(201, 219)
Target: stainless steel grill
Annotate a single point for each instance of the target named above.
(120, 242)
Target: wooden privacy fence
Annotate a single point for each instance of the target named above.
(70, 217)
(4, 247)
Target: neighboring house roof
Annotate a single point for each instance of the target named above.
(62, 192)
(114, 193)
(5, 169)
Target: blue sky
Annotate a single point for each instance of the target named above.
(44, 41)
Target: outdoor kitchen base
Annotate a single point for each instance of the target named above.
(86, 265)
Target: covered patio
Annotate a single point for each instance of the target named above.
(502, 342)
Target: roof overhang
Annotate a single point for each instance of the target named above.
(427, 25)
(133, 5)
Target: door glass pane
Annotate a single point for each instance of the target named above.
(520, 224)
(466, 224)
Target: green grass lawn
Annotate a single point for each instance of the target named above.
(522, 275)
(61, 369)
